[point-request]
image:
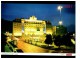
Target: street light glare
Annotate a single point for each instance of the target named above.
(60, 7)
(60, 22)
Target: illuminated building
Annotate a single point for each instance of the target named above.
(54, 30)
(49, 29)
(30, 28)
(35, 30)
(17, 27)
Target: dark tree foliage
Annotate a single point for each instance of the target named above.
(6, 25)
(57, 40)
(3, 42)
(48, 39)
(63, 40)
(61, 30)
(67, 40)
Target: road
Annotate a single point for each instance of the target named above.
(28, 48)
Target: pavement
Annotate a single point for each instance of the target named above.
(29, 48)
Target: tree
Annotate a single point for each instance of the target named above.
(61, 30)
(67, 40)
(58, 41)
(48, 39)
(3, 42)
(63, 40)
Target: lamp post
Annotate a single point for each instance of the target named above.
(60, 8)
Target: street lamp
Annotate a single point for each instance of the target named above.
(60, 22)
(60, 8)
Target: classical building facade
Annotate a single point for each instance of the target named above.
(31, 29)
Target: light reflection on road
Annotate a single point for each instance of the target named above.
(28, 48)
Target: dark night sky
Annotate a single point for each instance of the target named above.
(10, 11)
